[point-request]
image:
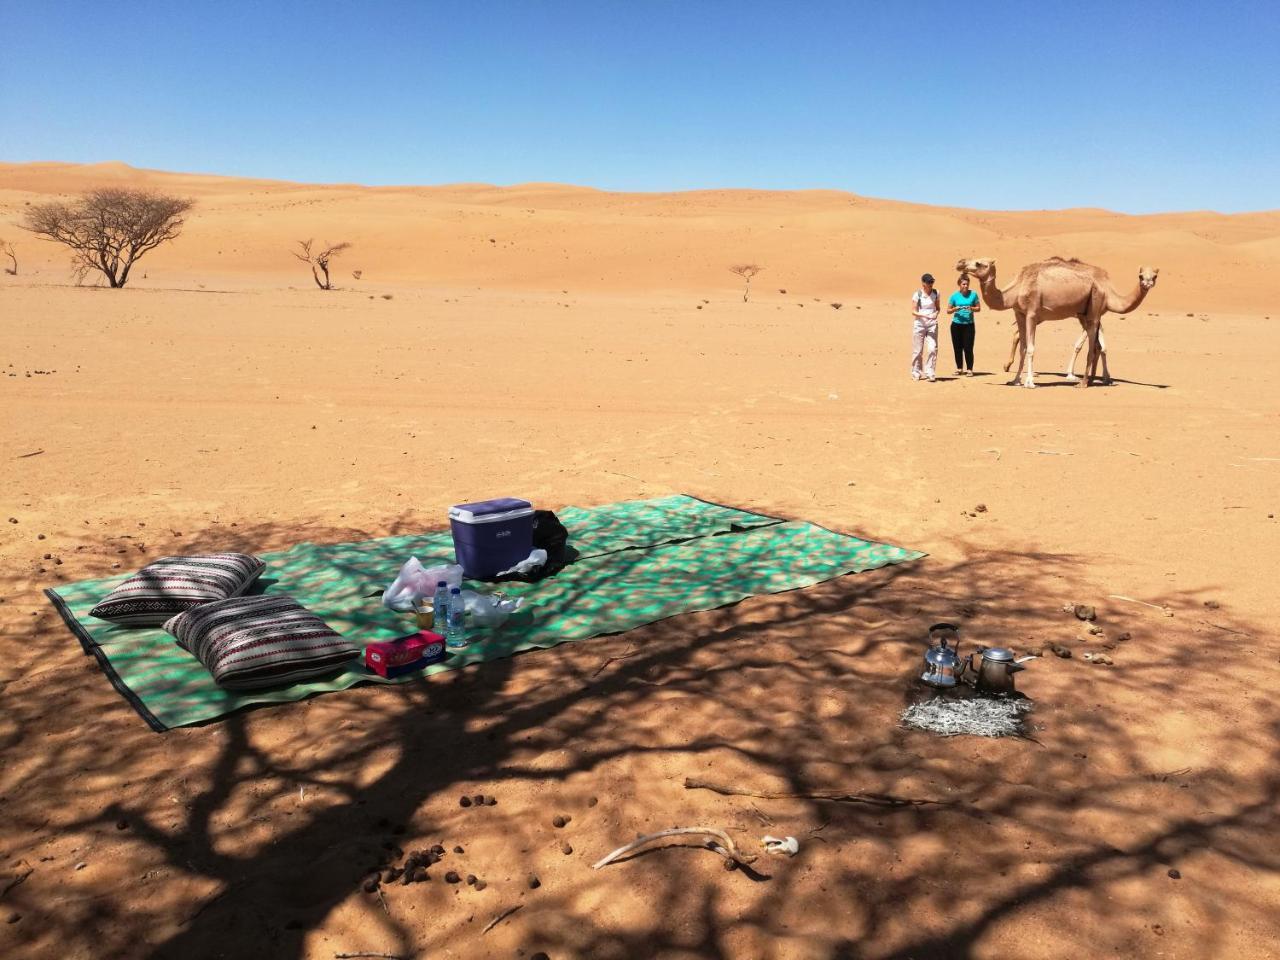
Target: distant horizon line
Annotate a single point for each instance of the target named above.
(605, 190)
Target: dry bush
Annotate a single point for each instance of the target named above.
(746, 271)
(319, 258)
(109, 230)
(6, 248)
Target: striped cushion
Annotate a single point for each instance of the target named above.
(253, 642)
(173, 584)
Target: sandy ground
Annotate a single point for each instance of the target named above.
(585, 348)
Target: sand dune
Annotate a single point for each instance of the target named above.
(548, 237)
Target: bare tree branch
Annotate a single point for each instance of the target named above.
(746, 271)
(109, 230)
(319, 259)
(6, 248)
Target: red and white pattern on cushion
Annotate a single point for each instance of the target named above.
(248, 643)
(173, 584)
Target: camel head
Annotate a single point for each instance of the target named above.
(983, 269)
(1147, 276)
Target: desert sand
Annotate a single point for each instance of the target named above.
(590, 347)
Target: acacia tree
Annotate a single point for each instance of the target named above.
(320, 259)
(746, 271)
(109, 230)
(7, 249)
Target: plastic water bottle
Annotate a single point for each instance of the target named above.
(457, 629)
(440, 608)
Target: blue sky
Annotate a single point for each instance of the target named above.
(1137, 107)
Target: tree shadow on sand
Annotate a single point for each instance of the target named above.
(252, 836)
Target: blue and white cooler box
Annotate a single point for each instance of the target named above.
(492, 535)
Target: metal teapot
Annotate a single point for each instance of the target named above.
(995, 668)
(943, 665)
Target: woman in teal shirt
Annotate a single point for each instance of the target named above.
(962, 306)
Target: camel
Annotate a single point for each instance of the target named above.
(1053, 289)
(1115, 304)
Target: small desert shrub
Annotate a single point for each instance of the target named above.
(836, 306)
(357, 274)
(386, 296)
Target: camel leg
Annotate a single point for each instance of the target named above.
(1029, 348)
(1091, 364)
(1018, 350)
(1013, 350)
(1075, 355)
(1102, 347)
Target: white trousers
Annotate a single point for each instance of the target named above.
(924, 348)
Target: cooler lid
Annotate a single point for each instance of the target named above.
(491, 511)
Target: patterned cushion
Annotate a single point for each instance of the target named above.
(266, 641)
(173, 584)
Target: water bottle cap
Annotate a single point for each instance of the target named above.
(442, 583)
(456, 590)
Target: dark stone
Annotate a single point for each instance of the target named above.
(122, 824)
(471, 879)
(559, 820)
(490, 801)
(464, 801)
(534, 882)
(478, 799)
(458, 850)
(1174, 874)
(1085, 612)
(480, 884)
(565, 848)
(452, 877)
(420, 875)
(438, 850)
(592, 801)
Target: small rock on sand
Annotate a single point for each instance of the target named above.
(1061, 651)
(1174, 874)
(1125, 636)
(1085, 612)
(980, 508)
(452, 877)
(480, 884)
(534, 882)
(559, 820)
(565, 848)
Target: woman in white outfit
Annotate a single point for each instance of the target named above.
(924, 336)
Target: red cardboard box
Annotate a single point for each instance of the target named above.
(385, 655)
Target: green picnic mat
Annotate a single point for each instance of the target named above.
(639, 561)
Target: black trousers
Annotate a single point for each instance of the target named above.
(962, 341)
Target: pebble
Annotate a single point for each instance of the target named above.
(438, 850)
(981, 508)
(13, 918)
(420, 875)
(534, 882)
(565, 848)
(452, 877)
(458, 850)
(1125, 636)
(490, 801)
(471, 879)
(1095, 630)
(559, 820)
(464, 801)
(1212, 604)
(81, 865)
(480, 884)
(591, 802)
(1061, 651)
(39, 536)
(478, 799)
(122, 824)
(1085, 612)
(1174, 874)
(539, 956)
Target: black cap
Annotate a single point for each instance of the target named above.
(927, 278)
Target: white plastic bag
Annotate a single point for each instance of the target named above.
(416, 582)
(490, 610)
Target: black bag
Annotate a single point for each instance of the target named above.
(550, 535)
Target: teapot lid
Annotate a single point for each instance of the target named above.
(998, 654)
